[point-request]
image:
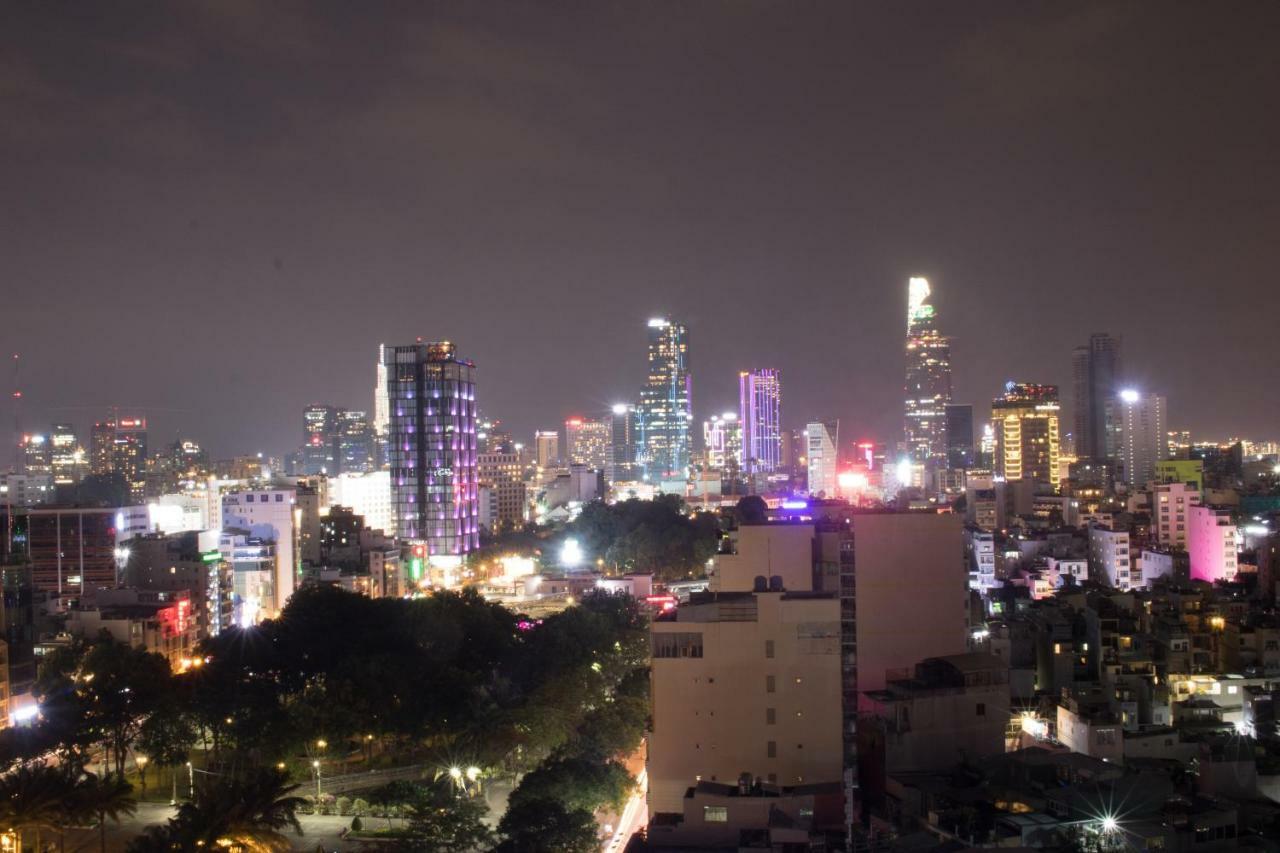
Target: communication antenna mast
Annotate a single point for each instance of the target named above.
(17, 414)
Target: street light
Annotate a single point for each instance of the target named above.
(191, 781)
(315, 765)
(141, 762)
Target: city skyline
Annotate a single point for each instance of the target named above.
(505, 201)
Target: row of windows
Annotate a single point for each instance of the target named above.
(264, 498)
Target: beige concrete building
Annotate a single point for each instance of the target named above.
(745, 685)
(952, 708)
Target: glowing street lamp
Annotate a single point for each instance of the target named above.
(571, 555)
(141, 762)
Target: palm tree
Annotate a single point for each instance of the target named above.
(102, 797)
(241, 814)
(32, 797)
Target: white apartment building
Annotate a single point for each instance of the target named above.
(270, 515)
(1110, 557)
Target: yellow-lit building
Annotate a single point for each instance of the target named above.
(1026, 430)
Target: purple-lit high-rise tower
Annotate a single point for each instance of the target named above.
(431, 448)
(760, 413)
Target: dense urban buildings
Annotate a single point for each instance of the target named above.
(665, 412)
(432, 448)
(928, 386)
(563, 606)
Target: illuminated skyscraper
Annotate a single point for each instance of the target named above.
(722, 438)
(586, 442)
(381, 405)
(319, 440)
(1095, 373)
(119, 446)
(357, 442)
(37, 455)
(928, 388)
(1026, 431)
(666, 406)
(1142, 435)
(822, 457)
(623, 445)
(432, 449)
(68, 461)
(760, 413)
(546, 444)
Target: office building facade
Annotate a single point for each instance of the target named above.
(1096, 375)
(1026, 431)
(624, 445)
(666, 404)
(73, 551)
(587, 442)
(319, 440)
(722, 439)
(760, 413)
(432, 448)
(961, 451)
(822, 457)
(1142, 440)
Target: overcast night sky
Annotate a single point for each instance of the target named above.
(213, 213)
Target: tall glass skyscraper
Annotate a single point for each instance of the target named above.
(928, 388)
(431, 396)
(760, 413)
(623, 445)
(320, 440)
(666, 408)
(1096, 373)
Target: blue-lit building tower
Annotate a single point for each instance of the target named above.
(666, 404)
(431, 446)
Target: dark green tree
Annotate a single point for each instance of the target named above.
(576, 783)
(119, 686)
(33, 798)
(546, 826)
(442, 821)
(751, 510)
(248, 813)
(166, 738)
(100, 798)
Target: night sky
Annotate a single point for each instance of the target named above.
(213, 213)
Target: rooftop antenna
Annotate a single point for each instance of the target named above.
(17, 414)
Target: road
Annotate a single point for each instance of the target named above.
(618, 828)
(635, 814)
